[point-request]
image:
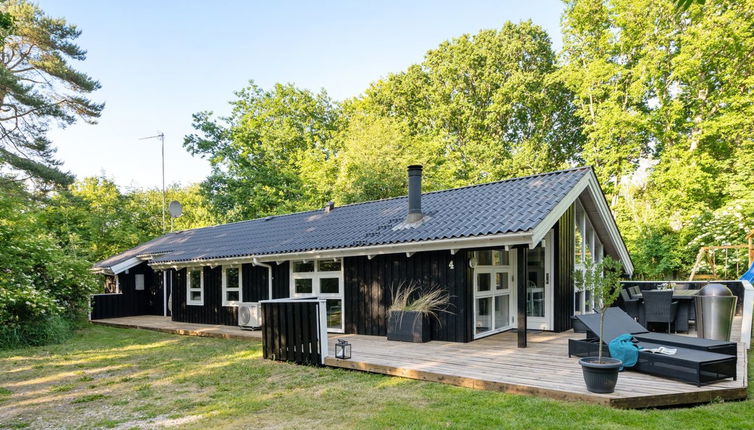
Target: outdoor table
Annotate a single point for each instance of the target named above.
(685, 299)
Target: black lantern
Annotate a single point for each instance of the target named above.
(342, 350)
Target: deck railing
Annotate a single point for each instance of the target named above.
(295, 330)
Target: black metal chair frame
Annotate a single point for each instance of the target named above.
(659, 307)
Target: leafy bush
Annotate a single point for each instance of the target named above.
(44, 288)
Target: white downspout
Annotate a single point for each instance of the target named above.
(269, 277)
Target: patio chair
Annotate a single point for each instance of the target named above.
(659, 307)
(697, 361)
(635, 291)
(629, 305)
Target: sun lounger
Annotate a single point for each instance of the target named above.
(698, 361)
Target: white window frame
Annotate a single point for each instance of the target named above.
(590, 240)
(190, 287)
(226, 289)
(492, 270)
(316, 276)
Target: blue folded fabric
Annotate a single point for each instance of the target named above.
(624, 350)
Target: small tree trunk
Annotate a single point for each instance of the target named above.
(602, 325)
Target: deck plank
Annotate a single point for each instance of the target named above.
(542, 369)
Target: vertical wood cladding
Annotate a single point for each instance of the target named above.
(564, 264)
(212, 312)
(281, 280)
(256, 285)
(130, 301)
(522, 280)
(368, 285)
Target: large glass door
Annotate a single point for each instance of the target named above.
(493, 284)
(539, 294)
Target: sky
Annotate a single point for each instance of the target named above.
(161, 61)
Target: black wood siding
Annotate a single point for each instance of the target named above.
(563, 286)
(281, 280)
(154, 292)
(131, 302)
(256, 285)
(213, 312)
(368, 284)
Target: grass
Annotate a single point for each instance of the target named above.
(122, 378)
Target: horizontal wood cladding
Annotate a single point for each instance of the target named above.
(368, 285)
(564, 265)
(212, 312)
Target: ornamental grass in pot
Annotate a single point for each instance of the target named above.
(409, 315)
(603, 280)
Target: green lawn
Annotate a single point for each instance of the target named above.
(125, 378)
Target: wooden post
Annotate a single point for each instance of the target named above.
(522, 277)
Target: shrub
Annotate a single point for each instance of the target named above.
(53, 329)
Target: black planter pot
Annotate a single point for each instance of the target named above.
(600, 377)
(408, 326)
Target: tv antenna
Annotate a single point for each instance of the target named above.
(160, 135)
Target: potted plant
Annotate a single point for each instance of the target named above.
(409, 315)
(603, 279)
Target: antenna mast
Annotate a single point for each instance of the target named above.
(160, 135)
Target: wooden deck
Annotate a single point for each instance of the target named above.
(166, 325)
(542, 369)
(493, 363)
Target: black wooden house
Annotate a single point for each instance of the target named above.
(505, 252)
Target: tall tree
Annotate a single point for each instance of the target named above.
(39, 86)
(255, 152)
(671, 90)
(492, 99)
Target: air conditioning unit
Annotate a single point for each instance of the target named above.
(250, 316)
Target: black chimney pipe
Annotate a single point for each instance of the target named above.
(414, 193)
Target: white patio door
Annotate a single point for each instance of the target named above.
(539, 291)
(493, 291)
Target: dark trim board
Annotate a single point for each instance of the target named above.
(564, 286)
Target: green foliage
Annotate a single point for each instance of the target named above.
(38, 85)
(40, 281)
(44, 331)
(95, 219)
(603, 280)
(672, 91)
(491, 100)
(256, 152)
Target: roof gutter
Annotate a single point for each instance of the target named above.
(395, 248)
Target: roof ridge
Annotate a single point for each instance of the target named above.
(518, 178)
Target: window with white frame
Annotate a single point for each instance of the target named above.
(195, 287)
(323, 279)
(587, 248)
(231, 285)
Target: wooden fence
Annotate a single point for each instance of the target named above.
(295, 330)
(116, 305)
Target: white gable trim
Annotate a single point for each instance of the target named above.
(125, 265)
(588, 182)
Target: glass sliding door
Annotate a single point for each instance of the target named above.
(493, 279)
